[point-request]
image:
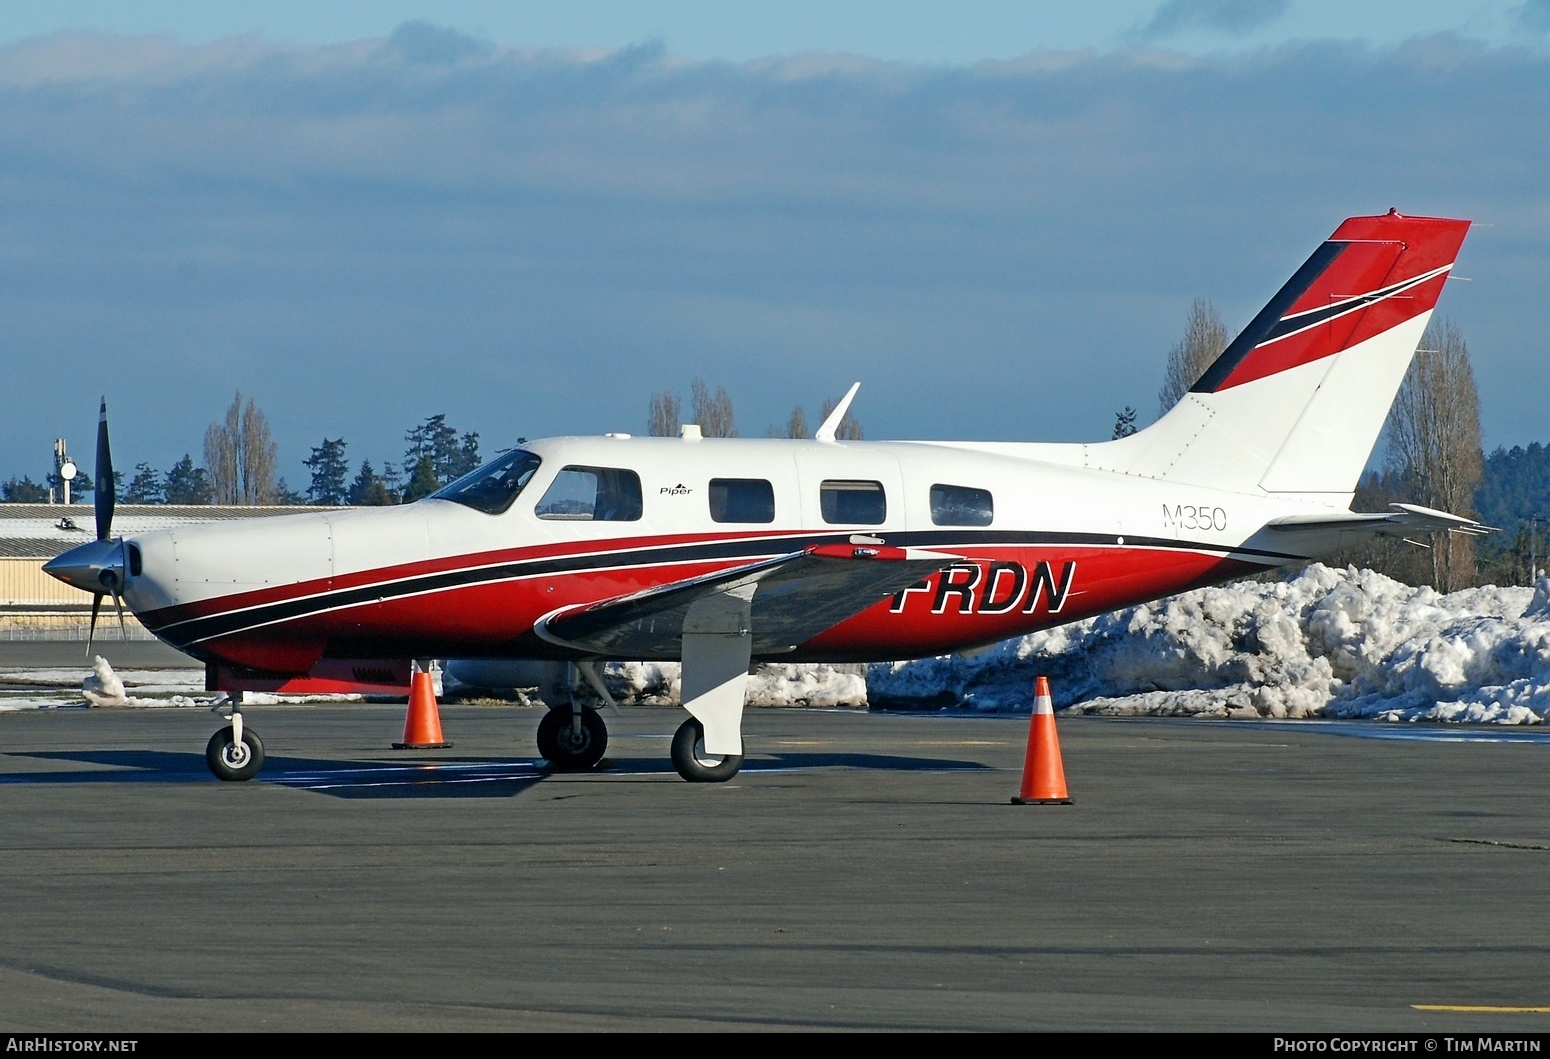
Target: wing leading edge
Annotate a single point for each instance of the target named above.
(792, 598)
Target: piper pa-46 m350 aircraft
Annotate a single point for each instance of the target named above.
(568, 552)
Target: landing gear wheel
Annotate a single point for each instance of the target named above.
(231, 760)
(567, 749)
(693, 763)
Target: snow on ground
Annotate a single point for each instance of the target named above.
(41, 689)
(1320, 643)
(822, 686)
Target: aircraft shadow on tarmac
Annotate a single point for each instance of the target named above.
(419, 778)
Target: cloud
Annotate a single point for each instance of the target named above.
(1235, 17)
(1533, 16)
(424, 42)
(532, 241)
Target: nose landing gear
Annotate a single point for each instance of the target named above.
(572, 738)
(235, 752)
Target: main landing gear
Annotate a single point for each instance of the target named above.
(235, 752)
(693, 763)
(573, 738)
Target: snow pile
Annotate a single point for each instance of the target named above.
(775, 684)
(102, 686)
(1328, 643)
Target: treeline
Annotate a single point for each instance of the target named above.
(1432, 456)
(714, 415)
(241, 461)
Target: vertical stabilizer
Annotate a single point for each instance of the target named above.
(1296, 403)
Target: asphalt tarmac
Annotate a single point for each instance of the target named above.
(862, 872)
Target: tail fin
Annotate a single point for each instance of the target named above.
(1296, 403)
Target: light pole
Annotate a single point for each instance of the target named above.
(65, 467)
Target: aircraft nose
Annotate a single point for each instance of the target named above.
(95, 567)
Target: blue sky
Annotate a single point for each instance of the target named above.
(922, 31)
(996, 219)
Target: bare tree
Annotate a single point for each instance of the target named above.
(221, 455)
(713, 412)
(663, 420)
(1204, 339)
(240, 456)
(1434, 443)
(796, 426)
(849, 428)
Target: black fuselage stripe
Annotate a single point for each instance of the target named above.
(195, 630)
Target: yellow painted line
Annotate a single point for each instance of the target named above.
(1482, 1009)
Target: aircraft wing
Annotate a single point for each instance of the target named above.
(794, 597)
(1399, 521)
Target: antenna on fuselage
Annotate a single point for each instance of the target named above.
(830, 425)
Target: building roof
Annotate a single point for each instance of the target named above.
(42, 531)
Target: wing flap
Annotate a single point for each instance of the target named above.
(795, 597)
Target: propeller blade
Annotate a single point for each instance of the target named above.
(91, 632)
(123, 630)
(104, 497)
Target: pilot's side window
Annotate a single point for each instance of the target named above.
(853, 503)
(592, 494)
(741, 500)
(960, 505)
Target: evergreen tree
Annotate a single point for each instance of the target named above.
(451, 457)
(369, 490)
(422, 482)
(187, 484)
(329, 472)
(23, 491)
(1124, 423)
(285, 496)
(145, 487)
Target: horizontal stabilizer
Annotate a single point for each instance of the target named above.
(1399, 521)
(795, 598)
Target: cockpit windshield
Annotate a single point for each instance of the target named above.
(494, 486)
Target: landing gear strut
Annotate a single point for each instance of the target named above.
(571, 737)
(235, 752)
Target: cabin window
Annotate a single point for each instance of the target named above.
(592, 494)
(493, 487)
(741, 500)
(853, 503)
(959, 505)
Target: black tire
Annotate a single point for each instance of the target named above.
(232, 762)
(691, 761)
(560, 745)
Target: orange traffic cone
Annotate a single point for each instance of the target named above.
(422, 726)
(1044, 777)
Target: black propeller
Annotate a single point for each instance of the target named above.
(103, 496)
(104, 499)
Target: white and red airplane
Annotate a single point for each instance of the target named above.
(571, 551)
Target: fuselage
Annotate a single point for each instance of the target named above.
(1044, 541)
